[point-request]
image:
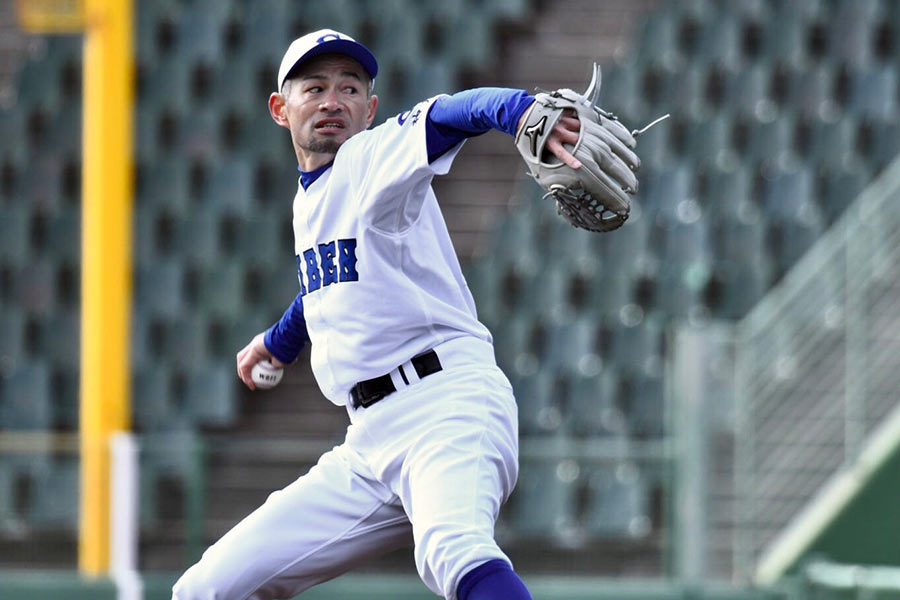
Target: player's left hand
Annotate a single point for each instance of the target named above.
(565, 132)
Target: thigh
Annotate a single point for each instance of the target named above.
(320, 526)
(458, 473)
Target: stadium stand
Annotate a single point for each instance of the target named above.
(782, 111)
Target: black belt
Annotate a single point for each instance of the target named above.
(368, 392)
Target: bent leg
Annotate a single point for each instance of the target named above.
(322, 525)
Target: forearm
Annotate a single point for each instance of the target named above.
(473, 112)
(287, 338)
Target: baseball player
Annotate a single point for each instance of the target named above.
(431, 451)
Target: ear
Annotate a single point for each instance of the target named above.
(373, 104)
(278, 109)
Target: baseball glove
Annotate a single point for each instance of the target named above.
(596, 196)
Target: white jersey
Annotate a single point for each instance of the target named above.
(379, 276)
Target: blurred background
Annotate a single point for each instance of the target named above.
(708, 397)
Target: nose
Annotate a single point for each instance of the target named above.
(330, 102)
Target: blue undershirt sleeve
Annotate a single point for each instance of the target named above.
(466, 114)
(287, 338)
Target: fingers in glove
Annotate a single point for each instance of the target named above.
(608, 162)
(619, 130)
(555, 146)
(614, 143)
(608, 192)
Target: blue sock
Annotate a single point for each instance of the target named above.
(494, 580)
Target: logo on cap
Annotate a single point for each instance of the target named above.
(328, 36)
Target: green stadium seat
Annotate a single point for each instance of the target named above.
(20, 475)
(59, 338)
(165, 184)
(514, 343)
(665, 188)
(839, 188)
(656, 43)
(548, 292)
(172, 456)
(159, 289)
(851, 32)
(34, 286)
(25, 402)
(709, 140)
(884, 144)
(747, 92)
(42, 180)
(211, 395)
(484, 283)
(236, 85)
(12, 337)
(544, 505)
(201, 30)
(784, 37)
(812, 91)
(873, 93)
(265, 32)
(727, 194)
(620, 92)
(591, 405)
(617, 504)
(608, 291)
(201, 137)
(719, 42)
(13, 130)
(539, 399)
(64, 234)
(769, 140)
(15, 234)
(167, 83)
(572, 348)
(64, 389)
(641, 398)
(831, 143)
(230, 185)
(637, 340)
(54, 507)
(787, 193)
(198, 237)
(187, 340)
(151, 404)
(739, 286)
(220, 289)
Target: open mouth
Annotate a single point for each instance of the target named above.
(329, 124)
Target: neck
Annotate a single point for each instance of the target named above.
(310, 161)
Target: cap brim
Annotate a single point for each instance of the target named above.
(349, 48)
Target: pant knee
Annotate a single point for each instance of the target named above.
(444, 555)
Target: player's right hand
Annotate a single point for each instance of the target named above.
(251, 354)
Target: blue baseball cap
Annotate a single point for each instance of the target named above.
(325, 41)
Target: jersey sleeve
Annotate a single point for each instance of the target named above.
(287, 338)
(473, 112)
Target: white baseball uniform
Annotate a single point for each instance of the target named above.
(430, 463)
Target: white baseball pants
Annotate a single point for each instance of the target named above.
(430, 464)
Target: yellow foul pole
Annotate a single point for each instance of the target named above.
(107, 197)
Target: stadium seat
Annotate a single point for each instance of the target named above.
(514, 343)
(64, 389)
(200, 30)
(617, 504)
(539, 400)
(13, 130)
(609, 291)
(719, 42)
(25, 402)
(15, 236)
(572, 348)
(591, 409)
(544, 503)
(265, 33)
(230, 185)
(201, 132)
(873, 93)
(839, 188)
(174, 456)
(738, 287)
(769, 140)
(160, 288)
(620, 92)
(54, 507)
(58, 339)
(63, 237)
(549, 292)
(20, 475)
(850, 32)
(747, 91)
(665, 189)
(151, 405)
(641, 398)
(220, 289)
(709, 140)
(812, 91)
(832, 144)
(236, 85)
(637, 341)
(165, 184)
(484, 283)
(167, 83)
(786, 193)
(187, 340)
(34, 286)
(656, 43)
(211, 395)
(884, 144)
(12, 337)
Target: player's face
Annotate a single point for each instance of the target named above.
(326, 103)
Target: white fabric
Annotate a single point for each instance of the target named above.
(410, 294)
(430, 464)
